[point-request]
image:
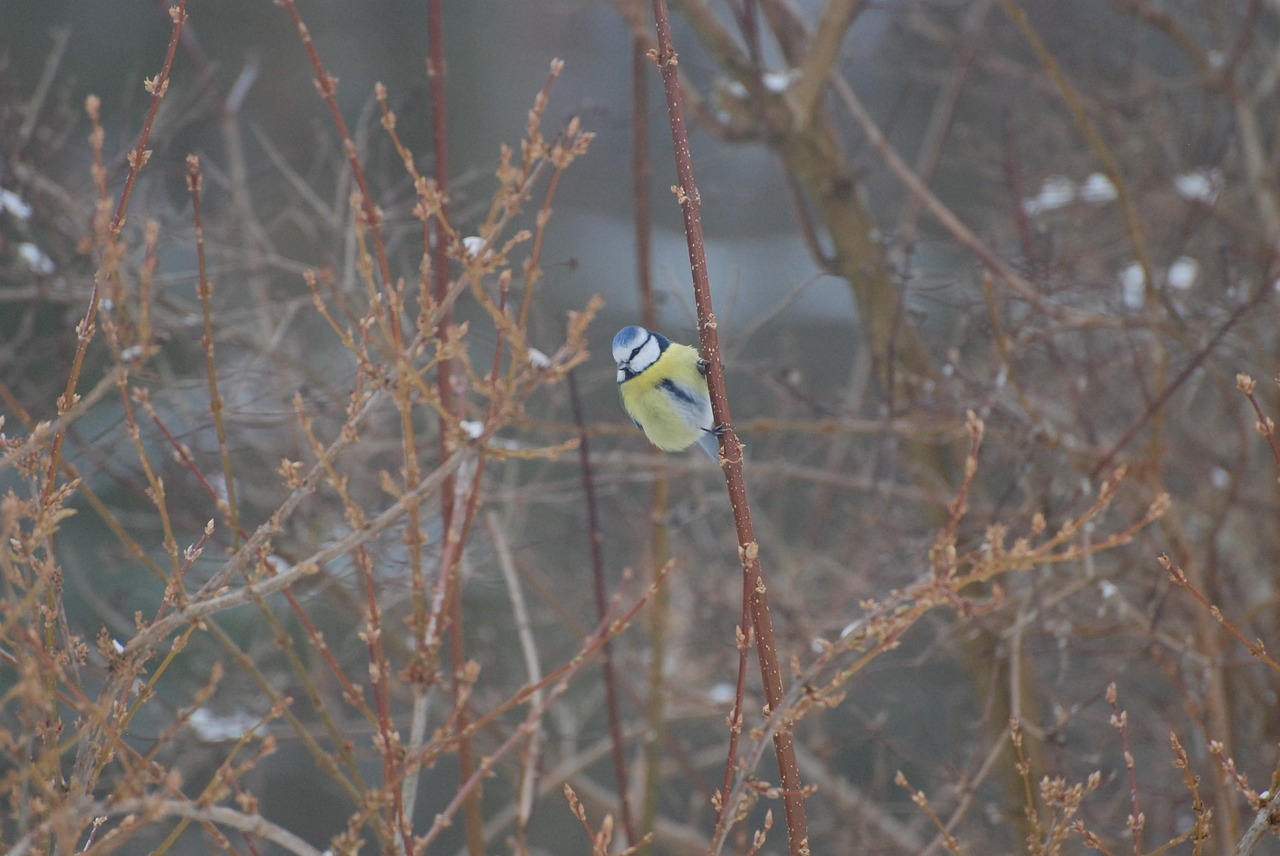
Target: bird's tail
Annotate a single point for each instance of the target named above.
(710, 444)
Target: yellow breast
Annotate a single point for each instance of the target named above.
(669, 400)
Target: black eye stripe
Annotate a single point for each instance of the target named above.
(636, 350)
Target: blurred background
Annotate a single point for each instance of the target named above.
(1060, 216)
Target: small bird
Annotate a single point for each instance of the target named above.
(664, 390)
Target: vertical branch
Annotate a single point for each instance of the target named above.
(524, 632)
(1200, 831)
(745, 633)
(1120, 721)
(436, 254)
(205, 290)
(641, 170)
(422, 670)
(602, 611)
(730, 445)
(659, 614)
(437, 69)
(388, 739)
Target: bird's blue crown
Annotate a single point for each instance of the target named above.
(635, 349)
(630, 339)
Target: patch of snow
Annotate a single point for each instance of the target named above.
(475, 245)
(1133, 289)
(1200, 185)
(722, 693)
(216, 728)
(1183, 273)
(779, 81)
(1097, 189)
(35, 258)
(1056, 192)
(14, 204)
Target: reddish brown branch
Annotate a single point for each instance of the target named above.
(596, 536)
(439, 267)
(730, 445)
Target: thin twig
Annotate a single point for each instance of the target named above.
(529, 649)
(562, 676)
(1260, 295)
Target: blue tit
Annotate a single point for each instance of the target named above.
(664, 390)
